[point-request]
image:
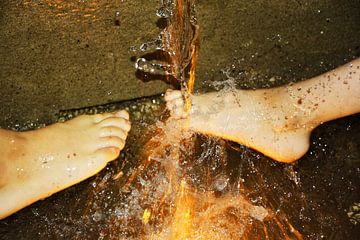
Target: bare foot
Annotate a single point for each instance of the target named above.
(36, 164)
(256, 118)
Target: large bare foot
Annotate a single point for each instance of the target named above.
(256, 118)
(36, 164)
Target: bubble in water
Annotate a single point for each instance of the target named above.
(141, 64)
(221, 182)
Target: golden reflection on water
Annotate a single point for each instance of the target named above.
(186, 212)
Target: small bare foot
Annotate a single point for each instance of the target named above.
(36, 164)
(249, 117)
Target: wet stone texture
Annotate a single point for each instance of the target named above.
(316, 194)
(268, 43)
(59, 55)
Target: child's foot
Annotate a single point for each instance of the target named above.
(36, 164)
(259, 119)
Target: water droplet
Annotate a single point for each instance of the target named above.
(153, 67)
(166, 9)
(152, 45)
(221, 182)
(163, 12)
(117, 18)
(132, 49)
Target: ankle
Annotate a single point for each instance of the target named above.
(279, 110)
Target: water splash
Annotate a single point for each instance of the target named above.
(166, 9)
(149, 46)
(191, 202)
(177, 197)
(179, 42)
(153, 67)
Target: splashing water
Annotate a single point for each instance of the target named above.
(181, 203)
(183, 189)
(179, 42)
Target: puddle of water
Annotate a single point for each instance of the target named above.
(171, 184)
(314, 195)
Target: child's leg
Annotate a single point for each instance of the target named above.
(36, 164)
(278, 121)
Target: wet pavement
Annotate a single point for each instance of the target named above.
(315, 194)
(260, 44)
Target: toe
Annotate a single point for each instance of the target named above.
(122, 114)
(111, 141)
(171, 95)
(100, 117)
(184, 115)
(170, 105)
(178, 102)
(178, 112)
(113, 131)
(116, 122)
(107, 154)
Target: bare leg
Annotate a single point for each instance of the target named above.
(36, 164)
(278, 121)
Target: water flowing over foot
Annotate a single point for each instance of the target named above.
(175, 104)
(246, 117)
(39, 163)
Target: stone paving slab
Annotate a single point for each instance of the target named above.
(68, 54)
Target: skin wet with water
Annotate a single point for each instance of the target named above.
(103, 206)
(280, 198)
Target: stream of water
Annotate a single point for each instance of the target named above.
(192, 204)
(172, 184)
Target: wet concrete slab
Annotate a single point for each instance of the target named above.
(58, 55)
(315, 195)
(267, 43)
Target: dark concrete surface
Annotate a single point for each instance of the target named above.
(44, 69)
(265, 43)
(67, 54)
(70, 54)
